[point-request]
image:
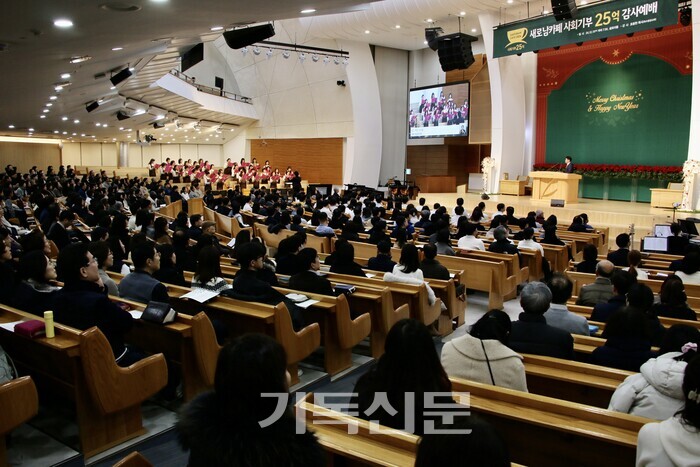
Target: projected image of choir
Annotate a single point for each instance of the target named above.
(438, 111)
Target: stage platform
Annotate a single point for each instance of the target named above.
(617, 215)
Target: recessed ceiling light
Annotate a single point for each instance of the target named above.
(63, 23)
(425, 42)
(52, 98)
(545, 12)
(10, 127)
(31, 130)
(366, 31)
(216, 28)
(462, 13)
(98, 124)
(74, 134)
(116, 49)
(76, 121)
(121, 128)
(58, 88)
(65, 133)
(131, 68)
(584, 2)
(104, 125)
(112, 88)
(80, 59)
(398, 26)
(45, 111)
(82, 134)
(473, 29)
(65, 75)
(308, 11)
(42, 116)
(49, 104)
(429, 20)
(55, 132)
(64, 118)
(510, 1)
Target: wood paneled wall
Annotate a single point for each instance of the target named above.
(318, 160)
(450, 159)
(25, 155)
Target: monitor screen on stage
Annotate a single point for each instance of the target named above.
(657, 244)
(439, 111)
(662, 230)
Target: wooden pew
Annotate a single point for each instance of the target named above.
(332, 428)
(572, 381)
(80, 366)
(544, 431)
(586, 312)
(195, 206)
(241, 317)
(483, 275)
(18, 404)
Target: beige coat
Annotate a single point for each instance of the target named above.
(463, 357)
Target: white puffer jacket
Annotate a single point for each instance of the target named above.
(656, 392)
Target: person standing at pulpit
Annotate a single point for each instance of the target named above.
(569, 167)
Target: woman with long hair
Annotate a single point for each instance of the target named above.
(408, 270)
(237, 423)
(673, 301)
(208, 275)
(410, 366)
(38, 289)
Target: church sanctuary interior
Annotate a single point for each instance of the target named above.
(212, 209)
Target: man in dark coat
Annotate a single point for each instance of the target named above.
(531, 334)
(309, 280)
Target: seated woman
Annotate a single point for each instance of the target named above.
(169, 272)
(105, 260)
(160, 229)
(690, 269)
(673, 301)
(37, 290)
(657, 391)
(628, 343)
(483, 355)
(590, 260)
(235, 425)
(408, 270)
(634, 258)
(410, 365)
(344, 260)
(675, 441)
(208, 275)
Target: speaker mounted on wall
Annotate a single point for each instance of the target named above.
(557, 203)
(121, 76)
(239, 38)
(455, 51)
(564, 9)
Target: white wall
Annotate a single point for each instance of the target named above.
(97, 154)
(93, 155)
(392, 77)
(214, 64)
(237, 147)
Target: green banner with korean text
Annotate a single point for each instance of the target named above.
(594, 22)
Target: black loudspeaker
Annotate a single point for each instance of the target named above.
(564, 9)
(158, 125)
(246, 36)
(218, 82)
(557, 203)
(121, 115)
(455, 51)
(92, 106)
(121, 76)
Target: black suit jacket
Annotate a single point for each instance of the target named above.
(619, 257)
(59, 235)
(308, 281)
(532, 334)
(569, 168)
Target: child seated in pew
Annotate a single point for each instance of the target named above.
(675, 441)
(483, 446)
(483, 355)
(407, 373)
(235, 425)
(657, 390)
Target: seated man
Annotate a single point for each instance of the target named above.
(531, 333)
(501, 243)
(195, 230)
(601, 290)
(323, 229)
(309, 280)
(382, 262)
(469, 241)
(58, 232)
(558, 315)
(248, 286)
(140, 285)
(431, 268)
(621, 283)
(82, 302)
(619, 256)
(527, 243)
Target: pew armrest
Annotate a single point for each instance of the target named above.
(18, 403)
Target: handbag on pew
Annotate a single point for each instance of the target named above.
(159, 313)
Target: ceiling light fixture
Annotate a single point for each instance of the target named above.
(216, 28)
(366, 31)
(31, 130)
(336, 60)
(286, 54)
(244, 51)
(308, 11)
(55, 132)
(314, 58)
(63, 23)
(326, 60)
(117, 49)
(49, 104)
(398, 26)
(65, 76)
(473, 29)
(11, 127)
(52, 98)
(76, 121)
(268, 53)
(256, 50)
(42, 116)
(58, 88)
(46, 111)
(302, 57)
(64, 118)
(79, 59)
(462, 13)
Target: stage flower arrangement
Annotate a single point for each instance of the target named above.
(646, 172)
